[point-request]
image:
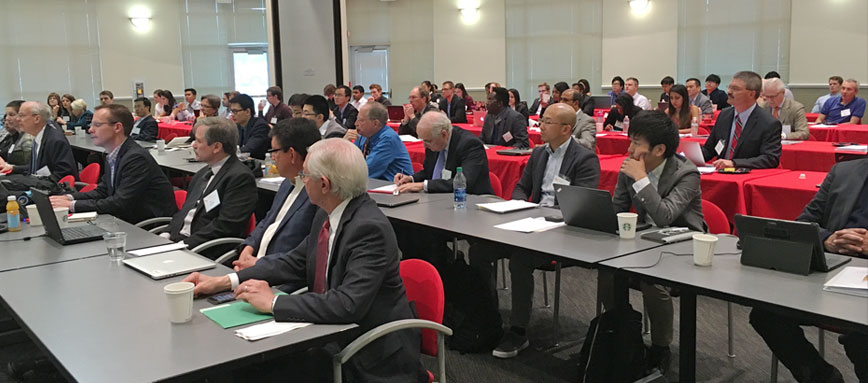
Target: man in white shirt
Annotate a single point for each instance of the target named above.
(358, 97)
(835, 83)
(632, 88)
(187, 111)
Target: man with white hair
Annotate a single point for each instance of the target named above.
(51, 154)
(349, 263)
(845, 107)
(789, 112)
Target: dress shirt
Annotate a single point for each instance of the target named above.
(743, 116)
(189, 114)
(553, 167)
(652, 179)
(613, 96)
(188, 219)
(641, 101)
(37, 143)
(271, 229)
(359, 103)
(822, 101)
(322, 128)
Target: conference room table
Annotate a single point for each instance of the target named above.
(618, 142)
(178, 128)
(816, 156)
(840, 133)
(533, 133)
(782, 195)
(729, 280)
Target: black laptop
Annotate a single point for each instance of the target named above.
(67, 235)
(587, 208)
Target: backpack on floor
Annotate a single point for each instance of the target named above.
(613, 350)
(471, 312)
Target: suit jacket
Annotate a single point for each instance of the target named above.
(236, 187)
(833, 203)
(522, 109)
(363, 287)
(759, 146)
(294, 227)
(147, 129)
(508, 120)
(677, 200)
(253, 138)
(585, 130)
(15, 148)
(334, 129)
(55, 153)
(348, 118)
(140, 189)
(580, 167)
(718, 97)
(465, 150)
(535, 105)
(704, 104)
(410, 126)
(792, 113)
(459, 113)
(587, 105)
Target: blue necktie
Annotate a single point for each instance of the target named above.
(33, 157)
(438, 166)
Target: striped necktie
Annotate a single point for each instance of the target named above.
(735, 137)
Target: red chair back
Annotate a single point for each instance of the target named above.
(180, 198)
(90, 174)
(69, 180)
(702, 131)
(170, 136)
(88, 188)
(715, 218)
(424, 287)
(251, 224)
(496, 185)
(417, 167)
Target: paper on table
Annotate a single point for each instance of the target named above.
(530, 225)
(858, 148)
(157, 249)
(234, 314)
(408, 138)
(822, 126)
(506, 206)
(388, 189)
(273, 180)
(268, 329)
(82, 217)
(706, 169)
(852, 280)
(790, 142)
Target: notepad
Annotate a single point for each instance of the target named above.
(408, 138)
(235, 314)
(388, 189)
(851, 280)
(706, 169)
(272, 180)
(822, 126)
(82, 217)
(506, 206)
(268, 329)
(530, 225)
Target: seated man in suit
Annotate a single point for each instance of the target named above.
(697, 98)
(744, 136)
(145, 128)
(16, 146)
(349, 263)
(585, 130)
(447, 148)
(288, 221)
(844, 108)
(345, 114)
(560, 160)
(51, 154)
(542, 101)
(452, 105)
(503, 126)
(316, 109)
(841, 209)
(384, 152)
(222, 195)
(664, 189)
(419, 105)
(133, 187)
(252, 130)
(789, 112)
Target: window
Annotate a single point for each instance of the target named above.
(369, 65)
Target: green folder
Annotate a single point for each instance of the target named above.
(235, 314)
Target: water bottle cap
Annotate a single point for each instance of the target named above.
(10, 198)
(458, 169)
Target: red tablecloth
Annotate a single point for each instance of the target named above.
(727, 190)
(812, 116)
(852, 133)
(610, 166)
(533, 135)
(823, 133)
(618, 143)
(782, 196)
(811, 156)
(181, 129)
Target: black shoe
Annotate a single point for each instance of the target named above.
(658, 357)
(510, 345)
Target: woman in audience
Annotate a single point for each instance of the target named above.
(587, 103)
(461, 91)
(79, 116)
(158, 106)
(680, 110)
(517, 104)
(167, 101)
(15, 147)
(53, 102)
(64, 113)
(623, 107)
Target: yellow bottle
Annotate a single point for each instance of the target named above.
(13, 214)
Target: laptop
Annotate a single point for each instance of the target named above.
(178, 142)
(170, 264)
(67, 235)
(389, 200)
(662, 105)
(602, 102)
(587, 208)
(789, 246)
(396, 112)
(692, 151)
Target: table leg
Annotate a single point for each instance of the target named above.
(687, 334)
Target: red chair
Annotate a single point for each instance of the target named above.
(251, 224)
(69, 180)
(417, 167)
(425, 288)
(170, 136)
(496, 185)
(702, 131)
(88, 188)
(180, 198)
(715, 218)
(90, 174)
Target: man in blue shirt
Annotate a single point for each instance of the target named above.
(846, 108)
(384, 152)
(617, 88)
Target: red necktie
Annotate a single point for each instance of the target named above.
(735, 136)
(322, 259)
(775, 112)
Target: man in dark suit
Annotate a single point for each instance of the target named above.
(288, 221)
(132, 188)
(252, 130)
(51, 154)
(349, 263)
(345, 114)
(542, 101)
(714, 93)
(446, 149)
(744, 136)
(145, 128)
(560, 160)
(419, 105)
(451, 105)
(841, 209)
(222, 195)
(503, 125)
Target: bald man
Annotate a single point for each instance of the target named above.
(585, 130)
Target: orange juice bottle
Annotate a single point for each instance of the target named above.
(13, 214)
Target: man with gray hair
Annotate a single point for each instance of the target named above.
(384, 152)
(845, 107)
(221, 196)
(349, 263)
(744, 136)
(788, 111)
(51, 154)
(446, 149)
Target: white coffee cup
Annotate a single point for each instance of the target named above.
(627, 225)
(62, 215)
(78, 131)
(33, 213)
(180, 297)
(703, 249)
(161, 145)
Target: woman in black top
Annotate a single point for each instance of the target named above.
(586, 103)
(53, 102)
(461, 91)
(517, 104)
(623, 107)
(64, 113)
(168, 102)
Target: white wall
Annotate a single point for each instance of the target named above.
(307, 45)
(828, 37)
(472, 53)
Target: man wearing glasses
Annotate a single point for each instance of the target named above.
(789, 112)
(51, 154)
(585, 130)
(252, 130)
(451, 105)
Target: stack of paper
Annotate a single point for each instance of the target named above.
(858, 148)
(852, 280)
(706, 169)
(268, 329)
(272, 180)
(388, 189)
(822, 126)
(157, 249)
(506, 206)
(408, 138)
(530, 225)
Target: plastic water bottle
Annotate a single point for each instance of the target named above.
(625, 126)
(13, 214)
(269, 166)
(459, 188)
(694, 127)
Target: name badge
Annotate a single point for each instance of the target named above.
(446, 174)
(274, 120)
(136, 130)
(211, 201)
(11, 148)
(43, 171)
(66, 118)
(507, 136)
(845, 112)
(786, 129)
(561, 180)
(718, 148)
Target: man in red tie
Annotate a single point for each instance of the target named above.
(744, 135)
(349, 263)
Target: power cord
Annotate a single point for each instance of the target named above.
(22, 238)
(660, 258)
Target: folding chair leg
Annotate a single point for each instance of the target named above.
(730, 352)
(545, 289)
(503, 274)
(646, 325)
(774, 376)
(557, 303)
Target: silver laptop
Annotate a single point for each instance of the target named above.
(170, 264)
(692, 151)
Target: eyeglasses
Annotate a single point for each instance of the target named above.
(303, 174)
(99, 124)
(308, 114)
(272, 150)
(236, 111)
